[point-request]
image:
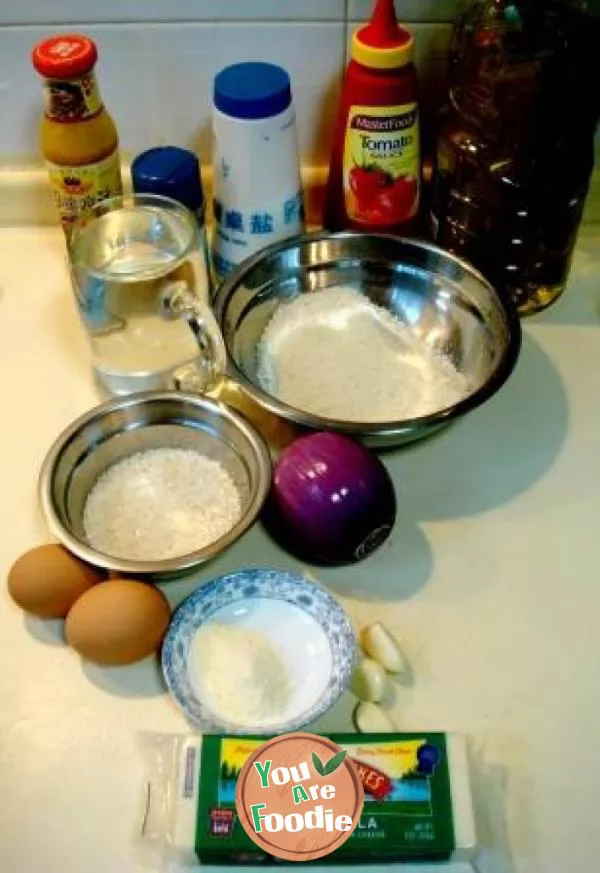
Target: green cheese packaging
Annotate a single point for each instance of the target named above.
(417, 809)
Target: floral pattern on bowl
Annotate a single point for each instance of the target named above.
(276, 588)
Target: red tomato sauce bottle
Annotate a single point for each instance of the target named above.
(375, 174)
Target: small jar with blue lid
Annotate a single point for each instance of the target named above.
(174, 172)
(257, 187)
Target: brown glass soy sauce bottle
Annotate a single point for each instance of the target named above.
(516, 145)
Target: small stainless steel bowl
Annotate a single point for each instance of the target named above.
(149, 420)
(442, 298)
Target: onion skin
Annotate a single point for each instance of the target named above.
(332, 501)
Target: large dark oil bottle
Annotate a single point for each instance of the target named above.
(516, 145)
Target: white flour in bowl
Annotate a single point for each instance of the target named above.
(244, 677)
(159, 504)
(336, 354)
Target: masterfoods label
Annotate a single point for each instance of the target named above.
(381, 164)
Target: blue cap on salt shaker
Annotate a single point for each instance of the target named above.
(252, 90)
(171, 172)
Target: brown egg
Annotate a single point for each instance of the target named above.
(48, 580)
(118, 622)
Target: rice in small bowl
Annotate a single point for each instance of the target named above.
(98, 484)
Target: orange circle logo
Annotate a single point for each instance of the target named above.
(299, 797)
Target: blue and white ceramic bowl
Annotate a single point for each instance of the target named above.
(302, 622)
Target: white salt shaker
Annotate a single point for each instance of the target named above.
(257, 188)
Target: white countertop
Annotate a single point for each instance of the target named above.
(491, 581)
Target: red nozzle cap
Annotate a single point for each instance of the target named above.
(383, 43)
(65, 56)
(383, 31)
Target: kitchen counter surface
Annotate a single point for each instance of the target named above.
(490, 580)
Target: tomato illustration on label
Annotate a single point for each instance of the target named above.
(381, 199)
(382, 164)
(366, 182)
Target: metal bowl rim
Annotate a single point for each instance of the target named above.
(169, 566)
(502, 372)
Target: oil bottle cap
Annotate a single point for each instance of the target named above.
(171, 172)
(65, 56)
(383, 44)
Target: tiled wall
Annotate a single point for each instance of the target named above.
(158, 58)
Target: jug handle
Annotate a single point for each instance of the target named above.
(205, 374)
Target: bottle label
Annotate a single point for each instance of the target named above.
(382, 164)
(72, 99)
(78, 189)
(240, 231)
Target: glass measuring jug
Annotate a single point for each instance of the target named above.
(141, 283)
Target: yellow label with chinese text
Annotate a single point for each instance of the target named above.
(69, 100)
(78, 189)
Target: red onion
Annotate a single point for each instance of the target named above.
(332, 501)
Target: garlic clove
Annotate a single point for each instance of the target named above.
(370, 718)
(369, 681)
(378, 643)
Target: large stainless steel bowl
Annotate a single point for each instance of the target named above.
(444, 300)
(149, 420)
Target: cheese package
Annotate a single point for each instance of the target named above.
(417, 808)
